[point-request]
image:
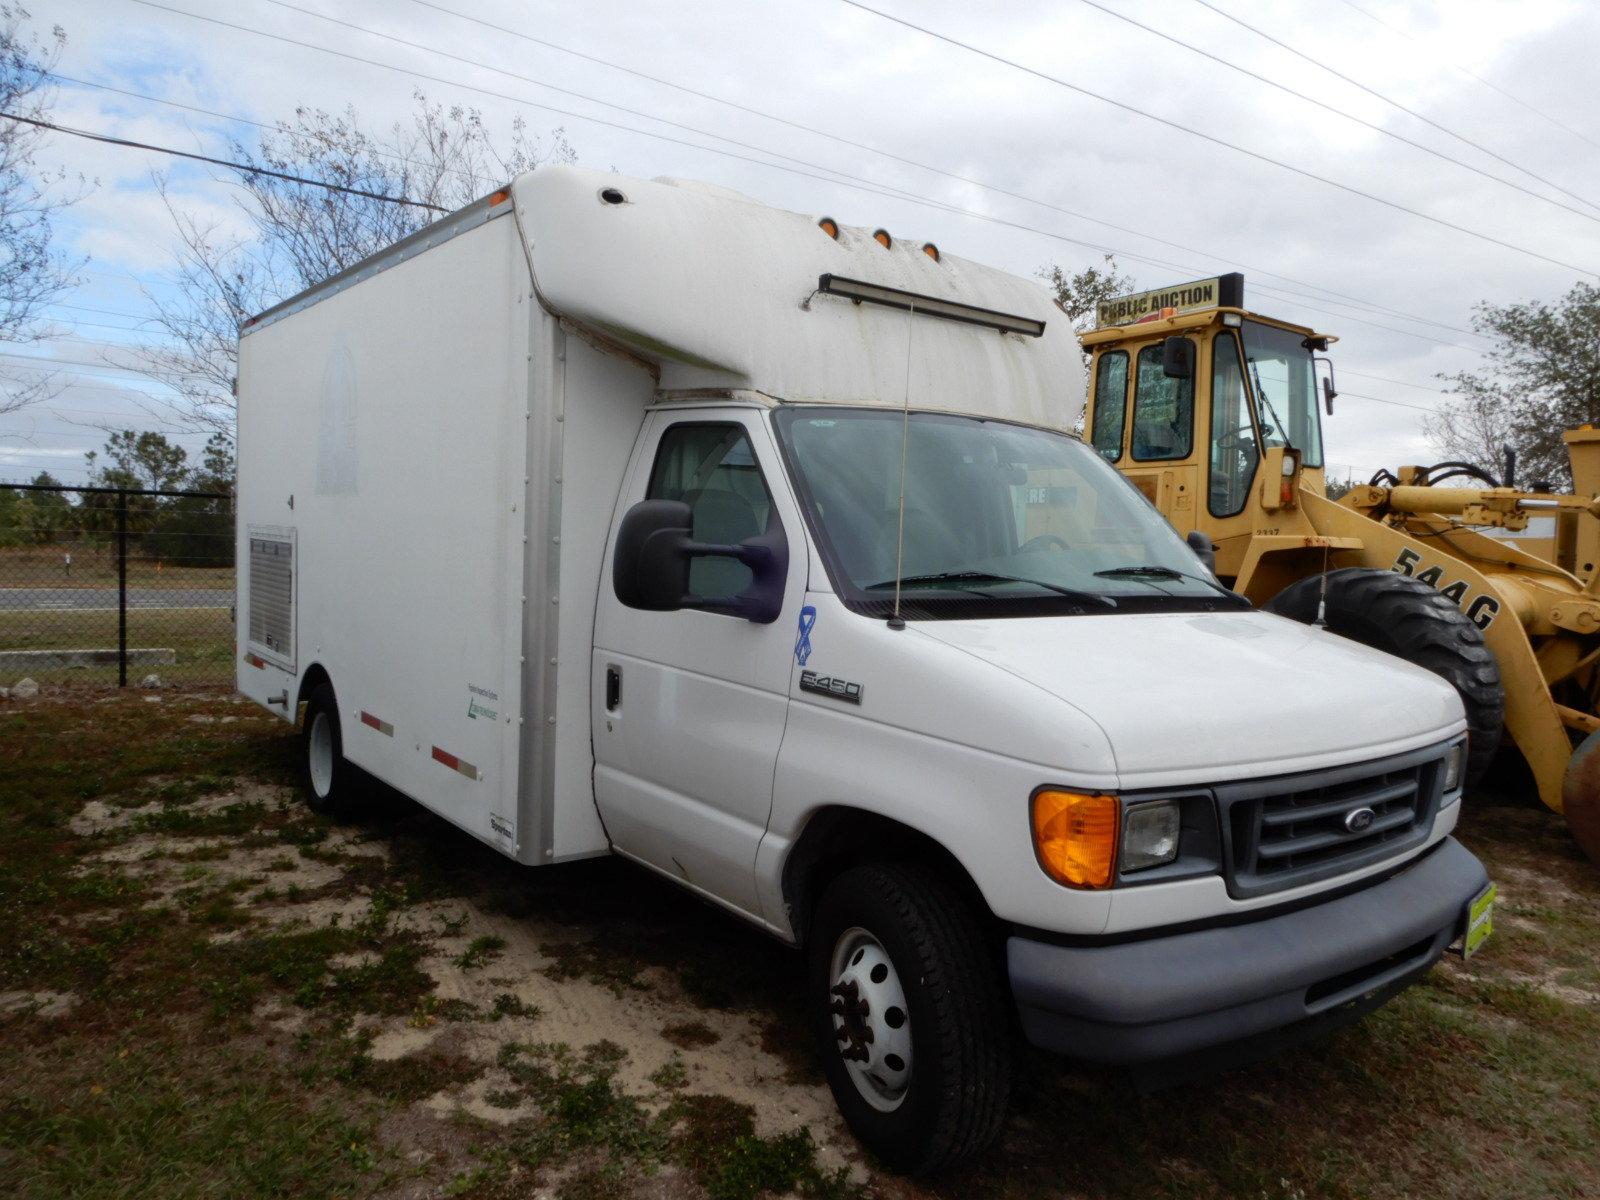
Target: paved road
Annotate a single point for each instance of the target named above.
(44, 599)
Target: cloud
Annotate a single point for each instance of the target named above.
(840, 70)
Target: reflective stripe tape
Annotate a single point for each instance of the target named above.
(454, 763)
(377, 723)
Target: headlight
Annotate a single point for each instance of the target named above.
(1075, 836)
(1150, 835)
(1455, 765)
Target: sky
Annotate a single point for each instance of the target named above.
(847, 105)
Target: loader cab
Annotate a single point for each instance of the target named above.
(1211, 411)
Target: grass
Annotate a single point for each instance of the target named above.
(96, 566)
(211, 1046)
(202, 638)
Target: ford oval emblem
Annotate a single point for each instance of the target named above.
(1359, 820)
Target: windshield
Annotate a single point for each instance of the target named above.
(1003, 517)
(1284, 381)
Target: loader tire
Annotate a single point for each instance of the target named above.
(1411, 621)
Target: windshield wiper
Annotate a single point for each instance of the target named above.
(975, 577)
(1153, 571)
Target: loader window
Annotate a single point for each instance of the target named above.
(713, 470)
(1163, 411)
(1233, 439)
(1110, 403)
(1284, 381)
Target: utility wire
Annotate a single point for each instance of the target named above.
(1217, 141)
(1339, 112)
(1256, 271)
(222, 116)
(1356, 83)
(244, 168)
(1421, 387)
(828, 178)
(1493, 87)
(833, 177)
(870, 149)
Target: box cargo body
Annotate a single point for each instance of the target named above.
(417, 498)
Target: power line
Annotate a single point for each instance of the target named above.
(870, 149)
(1376, 128)
(1214, 140)
(1255, 270)
(244, 168)
(1407, 34)
(222, 116)
(832, 176)
(1394, 403)
(1421, 387)
(1317, 62)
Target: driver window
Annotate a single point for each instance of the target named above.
(713, 470)
(1233, 440)
(1163, 411)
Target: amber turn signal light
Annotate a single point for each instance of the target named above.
(1075, 836)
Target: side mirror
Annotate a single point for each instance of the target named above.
(655, 545)
(1177, 358)
(1204, 549)
(1328, 389)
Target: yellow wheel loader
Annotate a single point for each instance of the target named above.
(1214, 413)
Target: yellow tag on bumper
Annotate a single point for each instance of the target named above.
(1480, 921)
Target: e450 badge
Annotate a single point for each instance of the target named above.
(1480, 610)
(831, 686)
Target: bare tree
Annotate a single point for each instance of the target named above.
(1475, 428)
(33, 272)
(444, 158)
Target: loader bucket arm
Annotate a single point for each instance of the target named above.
(1532, 719)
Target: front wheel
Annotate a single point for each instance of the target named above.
(909, 1016)
(1410, 620)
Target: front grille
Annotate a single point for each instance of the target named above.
(1293, 830)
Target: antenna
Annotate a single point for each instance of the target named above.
(896, 621)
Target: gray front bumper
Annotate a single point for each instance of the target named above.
(1142, 1001)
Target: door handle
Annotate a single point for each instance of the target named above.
(613, 688)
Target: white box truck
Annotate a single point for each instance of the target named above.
(608, 516)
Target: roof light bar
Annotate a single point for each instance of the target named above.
(950, 310)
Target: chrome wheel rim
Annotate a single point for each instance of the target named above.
(871, 1024)
(319, 750)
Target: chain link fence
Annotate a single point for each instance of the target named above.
(114, 586)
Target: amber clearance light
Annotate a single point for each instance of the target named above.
(1075, 836)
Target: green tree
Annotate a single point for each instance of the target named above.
(42, 517)
(1079, 293)
(1541, 377)
(139, 460)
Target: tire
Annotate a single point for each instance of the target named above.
(948, 1104)
(1411, 621)
(328, 780)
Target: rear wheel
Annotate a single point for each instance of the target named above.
(1411, 621)
(909, 1016)
(328, 780)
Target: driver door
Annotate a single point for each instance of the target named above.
(689, 706)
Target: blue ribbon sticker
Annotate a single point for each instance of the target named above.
(802, 647)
